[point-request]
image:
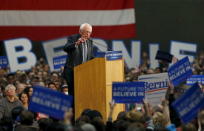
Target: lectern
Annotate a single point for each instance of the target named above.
(93, 85)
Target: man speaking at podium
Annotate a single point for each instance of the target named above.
(79, 49)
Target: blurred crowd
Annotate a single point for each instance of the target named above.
(16, 90)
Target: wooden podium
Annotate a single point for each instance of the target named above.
(93, 85)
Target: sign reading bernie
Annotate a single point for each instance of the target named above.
(155, 87)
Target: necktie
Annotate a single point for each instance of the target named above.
(84, 46)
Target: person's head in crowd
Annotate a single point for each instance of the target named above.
(44, 123)
(98, 123)
(41, 61)
(15, 113)
(122, 115)
(11, 78)
(144, 55)
(58, 126)
(158, 70)
(46, 68)
(28, 90)
(20, 87)
(35, 81)
(31, 75)
(2, 73)
(93, 114)
(41, 83)
(88, 127)
(44, 74)
(40, 74)
(159, 120)
(6, 124)
(188, 127)
(54, 76)
(85, 112)
(24, 98)
(122, 125)
(3, 84)
(57, 84)
(150, 71)
(26, 117)
(64, 89)
(136, 127)
(52, 86)
(22, 77)
(135, 116)
(10, 91)
(157, 108)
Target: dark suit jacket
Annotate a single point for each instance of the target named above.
(74, 53)
(75, 58)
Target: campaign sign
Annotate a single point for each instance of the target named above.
(195, 78)
(50, 102)
(128, 92)
(100, 54)
(155, 87)
(59, 62)
(113, 55)
(3, 62)
(180, 71)
(188, 105)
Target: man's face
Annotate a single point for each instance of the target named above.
(86, 32)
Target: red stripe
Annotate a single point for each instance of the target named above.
(156, 90)
(65, 4)
(47, 33)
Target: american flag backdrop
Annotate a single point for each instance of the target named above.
(49, 19)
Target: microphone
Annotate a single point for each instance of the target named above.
(101, 45)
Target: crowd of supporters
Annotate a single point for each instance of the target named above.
(16, 90)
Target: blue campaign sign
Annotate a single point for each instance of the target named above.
(128, 92)
(180, 71)
(50, 102)
(188, 105)
(59, 61)
(3, 62)
(113, 55)
(195, 78)
(100, 54)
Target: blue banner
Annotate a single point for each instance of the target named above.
(3, 62)
(195, 78)
(59, 62)
(180, 71)
(128, 92)
(113, 55)
(188, 105)
(100, 54)
(50, 102)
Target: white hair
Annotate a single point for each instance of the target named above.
(10, 86)
(83, 25)
(88, 127)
